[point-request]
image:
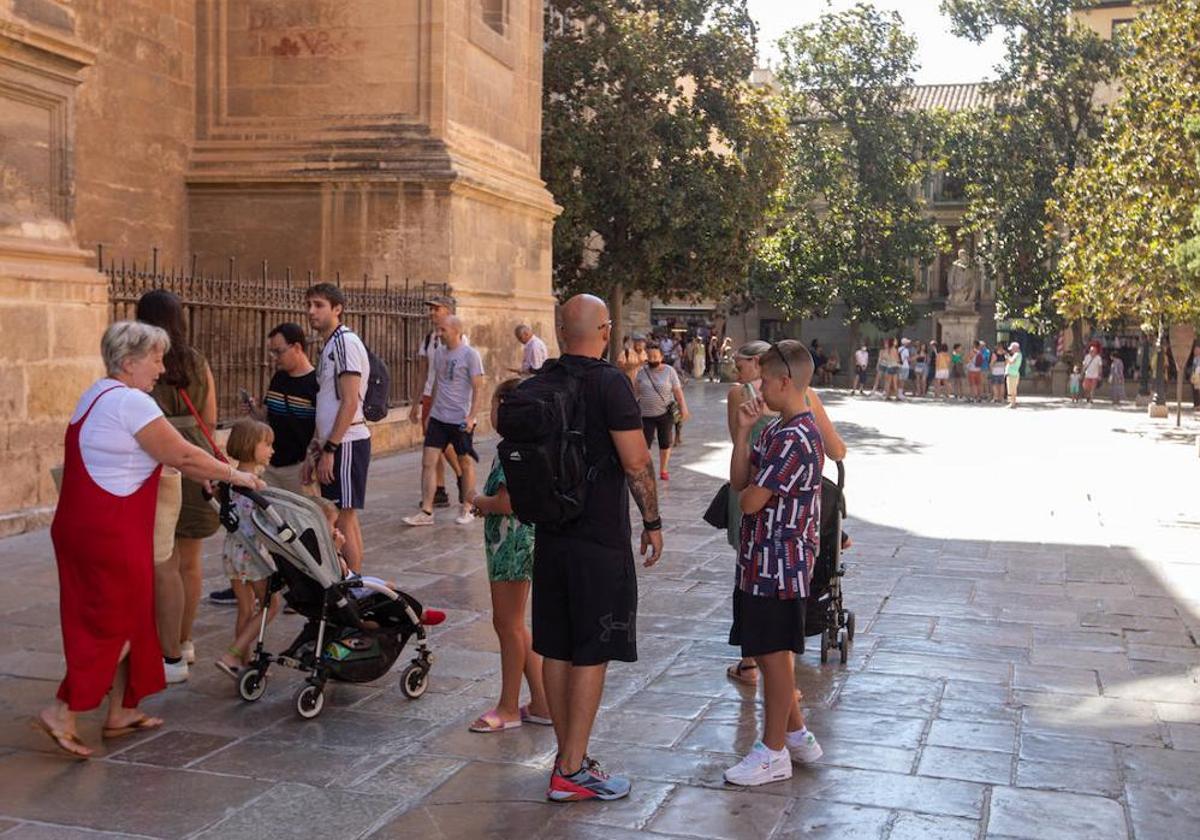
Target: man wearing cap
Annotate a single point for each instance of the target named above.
(441, 307)
(1013, 372)
(905, 367)
(533, 354)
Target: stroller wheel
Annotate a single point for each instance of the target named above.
(850, 625)
(251, 684)
(310, 700)
(825, 645)
(844, 645)
(414, 680)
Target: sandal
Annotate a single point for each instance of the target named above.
(492, 722)
(62, 739)
(142, 724)
(529, 717)
(226, 669)
(737, 673)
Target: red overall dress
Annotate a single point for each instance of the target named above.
(104, 546)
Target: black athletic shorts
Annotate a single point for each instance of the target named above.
(439, 435)
(663, 425)
(584, 601)
(766, 625)
(350, 464)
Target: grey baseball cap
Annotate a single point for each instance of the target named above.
(440, 300)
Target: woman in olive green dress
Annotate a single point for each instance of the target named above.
(178, 580)
(508, 545)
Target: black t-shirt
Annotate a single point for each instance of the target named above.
(610, 407)
(292, 414)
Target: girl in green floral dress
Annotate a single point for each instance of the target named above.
(509, 548)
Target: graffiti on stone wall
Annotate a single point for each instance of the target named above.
(311, 43)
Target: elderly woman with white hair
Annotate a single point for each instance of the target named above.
(103, 534)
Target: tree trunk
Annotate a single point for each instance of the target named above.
(616, 311)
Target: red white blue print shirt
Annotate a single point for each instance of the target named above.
(779, 543)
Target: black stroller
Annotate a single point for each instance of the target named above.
(824, 612)
(356, 628)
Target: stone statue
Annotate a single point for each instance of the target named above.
(964, 286)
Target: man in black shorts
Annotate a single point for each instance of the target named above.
(584, 579)
(457, 392)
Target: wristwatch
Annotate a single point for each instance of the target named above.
(330, 447)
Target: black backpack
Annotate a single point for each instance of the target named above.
(379, 384)
(544, 449)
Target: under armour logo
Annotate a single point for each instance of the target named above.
(608, 625)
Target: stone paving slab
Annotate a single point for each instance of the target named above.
(1038, 681)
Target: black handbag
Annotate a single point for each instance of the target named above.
(717, 514)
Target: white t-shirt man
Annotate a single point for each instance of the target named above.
(111, 454)
(533, 356)
(1093, 366)
(344, 352)
(861, 358)
(904, 355)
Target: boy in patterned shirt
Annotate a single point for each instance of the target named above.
(779, 477)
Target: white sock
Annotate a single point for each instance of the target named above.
(796, 738)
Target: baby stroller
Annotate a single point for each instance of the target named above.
(356, 628)
(824, 612)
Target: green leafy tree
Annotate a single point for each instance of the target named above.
(1189, 252)
(853, 225)
(1125, 213)
(664, 160)
(1041, 120)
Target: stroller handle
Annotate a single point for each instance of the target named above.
(841, 481)
(260, 501)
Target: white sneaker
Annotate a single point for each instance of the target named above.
(418, 519)
(175, 672)
(761, 766)
(806, 751)
(465, 518)
(188, 651)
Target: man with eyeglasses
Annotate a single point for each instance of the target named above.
(290, 408)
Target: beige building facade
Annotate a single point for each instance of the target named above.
(366, 137)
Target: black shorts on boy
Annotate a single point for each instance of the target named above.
(763, 625)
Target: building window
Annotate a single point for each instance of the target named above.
(495, 14)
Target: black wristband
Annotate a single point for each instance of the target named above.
(656, 525)
(329, 447)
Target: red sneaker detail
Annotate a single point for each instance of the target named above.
(560, 784)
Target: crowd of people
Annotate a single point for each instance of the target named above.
(978, 373)
(141, 453)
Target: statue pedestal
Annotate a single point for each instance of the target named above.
(958, 327)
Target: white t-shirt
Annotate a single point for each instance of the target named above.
(344, 352)
(904, 354)
(428, 349)
(1093, 367)
(534, 355)
(861, 359)
(111, 453)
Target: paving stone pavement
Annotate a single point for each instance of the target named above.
(1027, 589)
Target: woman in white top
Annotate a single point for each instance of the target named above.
(103, 535)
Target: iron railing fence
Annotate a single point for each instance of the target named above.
(229, 315)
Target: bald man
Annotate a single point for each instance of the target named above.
(453, 415)
(584, 579)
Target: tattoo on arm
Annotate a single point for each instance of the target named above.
(645, 492)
